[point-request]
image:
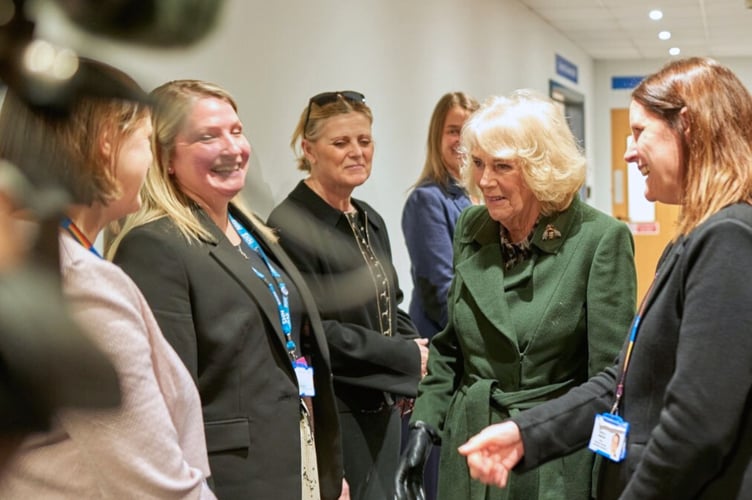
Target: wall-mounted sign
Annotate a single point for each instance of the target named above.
(565, 68)
(645, 228)
(625, 82)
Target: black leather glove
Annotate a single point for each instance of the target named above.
(408, 484)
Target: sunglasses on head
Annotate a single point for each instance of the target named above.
(330, 97)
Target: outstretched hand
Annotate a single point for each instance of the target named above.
(493, 452)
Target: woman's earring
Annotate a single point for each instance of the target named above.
(171, 171)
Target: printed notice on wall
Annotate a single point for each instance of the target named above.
(618, 187)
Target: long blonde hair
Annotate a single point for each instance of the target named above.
(161, 196)
(715, 133)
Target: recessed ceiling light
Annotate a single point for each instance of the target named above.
(674, 51)
(655, 14)
(664, 35)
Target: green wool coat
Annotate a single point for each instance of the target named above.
(524, 336)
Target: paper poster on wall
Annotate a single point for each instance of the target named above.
(618, 187)
(640, 209)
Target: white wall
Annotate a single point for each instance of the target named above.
(607, 99)
(402, 54)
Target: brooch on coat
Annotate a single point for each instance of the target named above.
(551, 233)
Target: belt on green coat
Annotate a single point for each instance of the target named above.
(484, 394)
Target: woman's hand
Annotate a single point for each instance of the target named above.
(493, 452)
(345, 495)
(423, 347)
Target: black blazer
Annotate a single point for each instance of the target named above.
(688, 389)
(224, 324)
(319, 240)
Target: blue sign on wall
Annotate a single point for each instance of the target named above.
(625, 82)
(566, 68)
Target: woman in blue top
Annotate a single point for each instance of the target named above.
(431, 212)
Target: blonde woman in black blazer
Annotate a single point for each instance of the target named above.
(688, 380)
(232, 305)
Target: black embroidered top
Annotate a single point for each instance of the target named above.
(379, 276)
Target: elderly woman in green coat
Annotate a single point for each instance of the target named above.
(542, 298)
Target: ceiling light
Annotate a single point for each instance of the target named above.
(664, 35)
(674, 51)
(655, 14)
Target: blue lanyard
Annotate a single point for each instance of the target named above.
(630, 347)
(283, 304)
(78, 235)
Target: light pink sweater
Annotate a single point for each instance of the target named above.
(153, 446)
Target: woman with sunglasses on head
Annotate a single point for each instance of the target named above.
(152, 446)
(341, 246)
(233, 305)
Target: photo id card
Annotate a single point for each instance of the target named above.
(304, 373)
(609, 437)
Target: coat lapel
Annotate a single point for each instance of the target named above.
(483, 275)
(552, 231)
(300, 285)
(240, 270)
(548, 260)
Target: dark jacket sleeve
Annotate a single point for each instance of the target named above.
(365, 358)
(360, 355)
(563, 425)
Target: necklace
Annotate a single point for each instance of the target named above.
(240, 249)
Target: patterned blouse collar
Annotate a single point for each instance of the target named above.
(514, 253)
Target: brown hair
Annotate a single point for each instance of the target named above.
(715, 132)
(55, 148)
(434, 169)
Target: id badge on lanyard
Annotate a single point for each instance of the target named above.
(304, 373)
(610, 431)
(609, 437)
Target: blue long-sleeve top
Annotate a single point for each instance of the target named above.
(428, 221)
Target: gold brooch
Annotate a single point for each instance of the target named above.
(551, 233)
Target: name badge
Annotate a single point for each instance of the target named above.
(609, 437)
(304, 373)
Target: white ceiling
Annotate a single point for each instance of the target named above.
(621, 29)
